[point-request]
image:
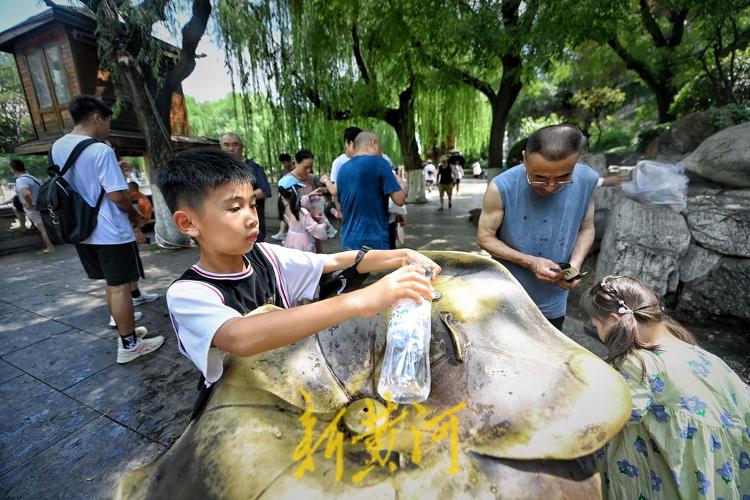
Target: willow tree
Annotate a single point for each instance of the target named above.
(484, 44)
(344, 59)
(145, 79)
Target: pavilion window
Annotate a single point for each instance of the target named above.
(41, 89)
(57, 73)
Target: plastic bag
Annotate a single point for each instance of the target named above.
(659, 184)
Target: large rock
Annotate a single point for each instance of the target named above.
(684, 135)
(722, 292)
(597, 161)
(724, 157)
(697, 263)
(644, 242)
(721, 223)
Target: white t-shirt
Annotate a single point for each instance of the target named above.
(96, 168)
(197, 308)
(429, 172)
(458, 172)
(336, 165)
(25, 181)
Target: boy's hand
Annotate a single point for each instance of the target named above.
(408, 282)
(415, 258)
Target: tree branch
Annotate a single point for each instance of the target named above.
(741, 41)
(313, 96)
(649, 22)
(358, 54)
(678, 27)
(634, 64)
(191, 35)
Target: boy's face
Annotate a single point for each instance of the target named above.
(227, 224)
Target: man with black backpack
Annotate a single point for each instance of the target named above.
(27, 189)
(90, 183)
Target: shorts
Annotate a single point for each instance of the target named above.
(445, 188)
(116, 264)
(34, 216)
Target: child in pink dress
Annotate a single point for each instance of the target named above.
(304, 229)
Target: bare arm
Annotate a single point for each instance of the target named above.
(585, 238)
(26, 195)
(120, 198)
(378, 260)
(399, 197)
(251, 335)
(490, 221)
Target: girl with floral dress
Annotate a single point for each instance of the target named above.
(688, 434)
(304, 229)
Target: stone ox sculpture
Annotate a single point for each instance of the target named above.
(529, 406)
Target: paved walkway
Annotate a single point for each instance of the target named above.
(72, 420)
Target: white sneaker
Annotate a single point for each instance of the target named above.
(136, 317)
(279, 236)
(145, 297)
(141, 347)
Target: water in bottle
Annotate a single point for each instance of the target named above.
(405, 371)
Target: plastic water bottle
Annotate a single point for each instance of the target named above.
(405, 371)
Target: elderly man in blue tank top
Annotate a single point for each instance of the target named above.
(541, 213)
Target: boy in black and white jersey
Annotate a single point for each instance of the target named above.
(211, 198)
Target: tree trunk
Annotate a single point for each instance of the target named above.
(402, 121)
(501, 104)
(665, 95)
(156, 129)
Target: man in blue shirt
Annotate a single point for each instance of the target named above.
(539, 214)
(364, 185)
(232, 144)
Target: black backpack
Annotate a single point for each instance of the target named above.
(66, 215)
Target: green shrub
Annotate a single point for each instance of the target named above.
(614, 137)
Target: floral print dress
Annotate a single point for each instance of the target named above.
(689, 432)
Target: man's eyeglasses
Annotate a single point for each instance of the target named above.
(557, 184)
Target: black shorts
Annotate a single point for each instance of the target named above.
(116, 264)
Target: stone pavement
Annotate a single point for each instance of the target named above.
(72, 420)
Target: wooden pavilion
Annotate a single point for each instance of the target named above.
(56, 56)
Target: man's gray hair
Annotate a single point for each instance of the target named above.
(233, 134)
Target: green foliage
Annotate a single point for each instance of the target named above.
(35, 165)
(263, 142)
(15, 123)
(596, 102)
(702, 93)
(738, 113)
(529, 124)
